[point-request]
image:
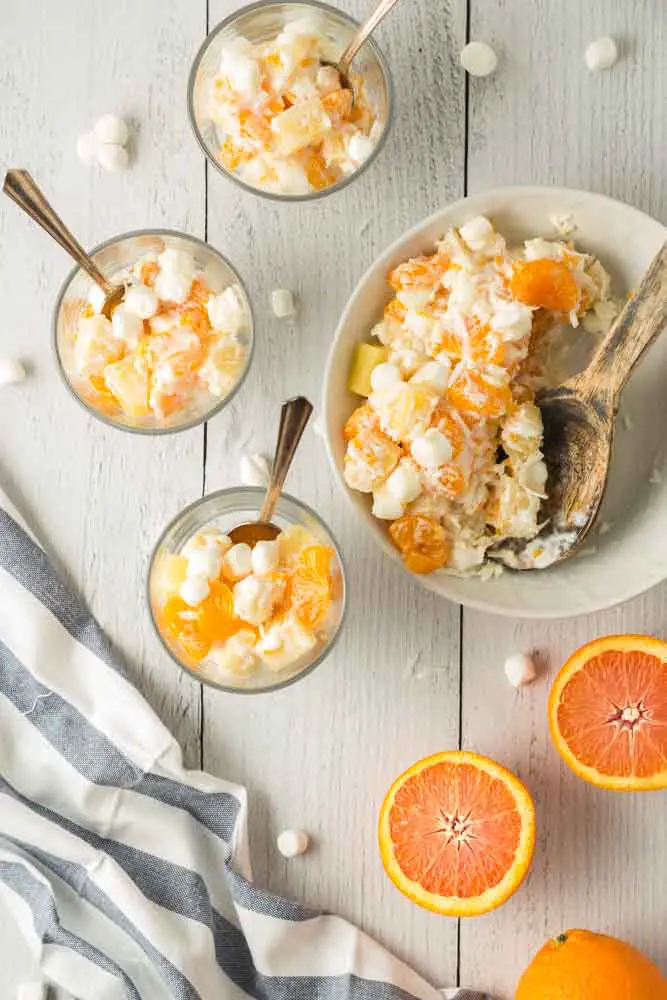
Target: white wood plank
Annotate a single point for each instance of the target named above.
(322, 754)
(542, 118)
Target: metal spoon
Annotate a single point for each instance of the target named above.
(294, 416)
(366, 29)
(579, 418)
(22, 189)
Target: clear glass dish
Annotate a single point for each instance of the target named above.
(225, 510)
(260, 22)
(112, 257)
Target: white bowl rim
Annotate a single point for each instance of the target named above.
(477, 604)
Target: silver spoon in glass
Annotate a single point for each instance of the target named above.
(21, 188)
(294, 416)
(364, 32)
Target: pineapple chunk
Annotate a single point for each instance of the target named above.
(366, 357)
(300, 125)
(292, 541)
(128, 381)
(285, 642)
(169, 573)
(95, 346)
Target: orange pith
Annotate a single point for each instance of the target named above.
(545, 283)
(457, 833)
(608, 713)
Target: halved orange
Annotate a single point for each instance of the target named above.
(608, 713)
(457, 833)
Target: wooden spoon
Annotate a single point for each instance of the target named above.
(579, 418)
(21, 188)
(294, 416)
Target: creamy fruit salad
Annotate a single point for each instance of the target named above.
(173, 349)
(285, 122)
(247, 617)
(448, 443)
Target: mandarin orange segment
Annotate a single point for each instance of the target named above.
(475, 393)
(370, 458)
(338, 104)
(215, 615)
(364, 418)
(608, 713)
(310, 594)
(395, 310)
(446, 421)
(316, 172)
(420, 272)
(545, 283)
(454, 480)
(422, 542)
(457, 833)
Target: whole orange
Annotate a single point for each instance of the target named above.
(581, 965)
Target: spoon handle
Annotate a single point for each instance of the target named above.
(21, 188)
(366, 29)
(642, 319)
(294, 416)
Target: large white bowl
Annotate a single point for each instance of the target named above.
(631, 556)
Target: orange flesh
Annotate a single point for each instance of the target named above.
(545, 283)
(422, 541)
(310, 588)
(613, 714)
(455, 829)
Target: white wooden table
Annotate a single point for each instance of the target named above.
(412, 674)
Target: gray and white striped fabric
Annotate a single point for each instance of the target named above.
(129, 875)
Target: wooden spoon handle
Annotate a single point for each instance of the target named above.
(642, 319)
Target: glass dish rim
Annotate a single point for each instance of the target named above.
(275, 196)
(152, 431)
(259, 492)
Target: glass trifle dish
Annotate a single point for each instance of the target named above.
(242, 618)
(177, 347)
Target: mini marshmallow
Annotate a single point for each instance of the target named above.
(111, 130)
(520, 670)
(404, 482)
(384, 376)
(238, 561)
(264, 557)
(205, 561)
(236, 655)
(11, 371)
(253, 599)
(327, 80)
(174, 261)
(282, 303)
(87, 148)
(292, 843)
(385, 505)
(359, 148)
(126, 325)
(226, 311)
(194, 590)
(478, 233)
(141, 301)
(112, 158)
(601, 54)
(432, 449)
(254, 470)
(173, 286)
(96, 298)
(478, 59)
(433, 373)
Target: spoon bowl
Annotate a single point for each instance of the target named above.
(366, 29)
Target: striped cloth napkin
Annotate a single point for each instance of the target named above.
(129, 875)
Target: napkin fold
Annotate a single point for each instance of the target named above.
(128, 874)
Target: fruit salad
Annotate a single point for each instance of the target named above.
(172, 350)
(285, 122)
(448, 442)
(247, 617)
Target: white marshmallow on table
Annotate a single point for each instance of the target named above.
(433, 373)
(141, 301)
(431, 449)
(264, 558)
(194, 590)
(112, 158)
(404, 482)
(478, 59)
(126, 325)
(385, 375)
(520, 669)
(87, 147)
(173, 286)
(238, 561)
(111, 130)
(226, 311)
(292, 843)
(282, 303)
(11, 371)
(254, 470)
(601, 54)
